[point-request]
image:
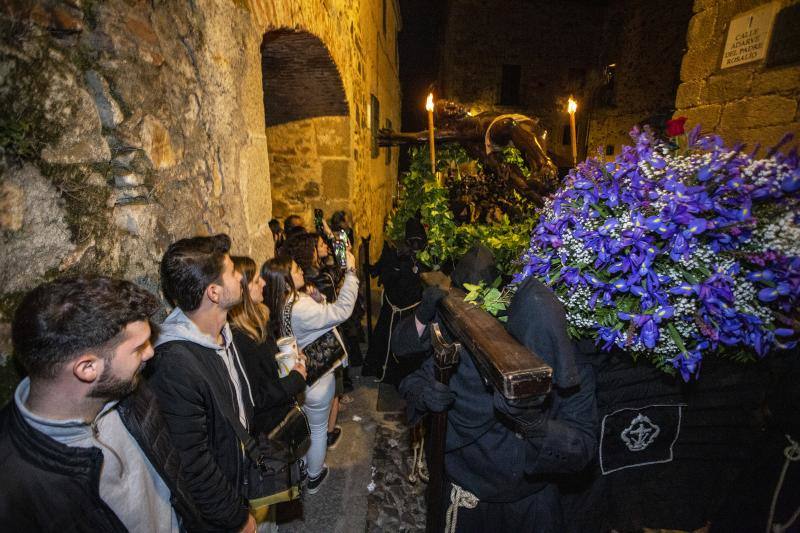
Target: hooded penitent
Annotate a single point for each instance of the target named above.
(537, 319)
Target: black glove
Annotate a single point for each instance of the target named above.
(527, 414)
(437, 397)
(426, 310)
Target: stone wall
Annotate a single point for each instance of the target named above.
(752, 102)
(645, 44)
(480, 37)
(641, 39)
(310, 166)
(125, 125)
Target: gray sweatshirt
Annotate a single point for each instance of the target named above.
(179, 327)
(129, 484)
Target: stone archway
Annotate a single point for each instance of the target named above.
(307, 125)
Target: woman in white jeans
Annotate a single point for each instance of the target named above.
(310, 320)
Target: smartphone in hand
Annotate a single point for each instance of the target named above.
(340, 244)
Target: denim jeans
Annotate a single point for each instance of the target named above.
(317, 406)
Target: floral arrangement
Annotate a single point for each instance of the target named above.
(507, 238)
(676, 250)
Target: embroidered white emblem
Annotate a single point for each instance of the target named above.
(640, 433)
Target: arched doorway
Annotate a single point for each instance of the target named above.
(307, 125)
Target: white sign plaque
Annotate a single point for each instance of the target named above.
(748, 36)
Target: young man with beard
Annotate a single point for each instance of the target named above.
(81, 446)
(195, 367)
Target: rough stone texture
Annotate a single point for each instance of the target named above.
(12, 206)
(646, 43)
(642, 39)
(107, 107)
(704, 114)
(689, 93)
(39, 243)
(144, 122)
(72, 112)
(396, 503)
(749, 103)
(521, 33)
(758, 111)
(366, 61)
(725, 88)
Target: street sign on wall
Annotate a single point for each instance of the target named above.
(748, 36)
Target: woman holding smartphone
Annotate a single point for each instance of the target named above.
(311, 322)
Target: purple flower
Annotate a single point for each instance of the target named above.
(669, 223)
(688, 364)
(770, 294)
(791, 183)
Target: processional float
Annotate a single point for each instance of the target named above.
(508, 366)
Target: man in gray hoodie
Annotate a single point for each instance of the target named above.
(200, 380)
(82, 447)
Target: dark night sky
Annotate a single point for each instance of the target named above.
(423, 26)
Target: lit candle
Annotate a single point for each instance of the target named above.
(429, 107)
(572, 106)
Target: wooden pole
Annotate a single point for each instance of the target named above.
(445, 356)
(368, 287)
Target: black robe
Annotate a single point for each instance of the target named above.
(398, 273)
(484, 454)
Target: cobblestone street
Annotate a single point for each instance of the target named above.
(368, 488)
(396, 504)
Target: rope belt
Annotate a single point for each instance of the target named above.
(792, 453)
(458, 498)
(418, 468)
(395, 311)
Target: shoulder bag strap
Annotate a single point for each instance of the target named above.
(249, 443)
(286, 318)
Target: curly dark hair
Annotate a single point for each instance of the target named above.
(189, 266)
(59, 320)
(302, 249)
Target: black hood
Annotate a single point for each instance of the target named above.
(415, 230)
(537, 319)
(477, 265)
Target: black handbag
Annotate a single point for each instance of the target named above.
(290, 439)
(273, 471)
(321, 354)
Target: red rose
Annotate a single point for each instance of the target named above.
(675, 126)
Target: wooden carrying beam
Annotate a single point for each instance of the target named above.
(512, 369)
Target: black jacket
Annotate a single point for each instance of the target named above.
(182, 374)
(48, 486)
(273, 396)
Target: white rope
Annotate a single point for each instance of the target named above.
(458, 498)
(792, 453)
(418, 463)
(416, 436)
(395, 310)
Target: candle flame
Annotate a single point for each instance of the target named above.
(429, 102)
(572, 106)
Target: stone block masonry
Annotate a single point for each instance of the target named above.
(644, 41)
(752, 102)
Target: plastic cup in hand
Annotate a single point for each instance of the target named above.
(287, 355)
